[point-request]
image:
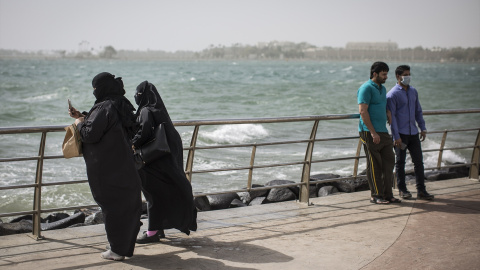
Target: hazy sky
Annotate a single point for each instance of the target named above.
(193, 24)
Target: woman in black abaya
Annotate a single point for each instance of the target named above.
(106, 131)
(164, 184)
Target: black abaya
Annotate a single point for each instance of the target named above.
(164, 184)
(112, 175)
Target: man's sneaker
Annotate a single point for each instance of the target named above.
(424, 195)
(405, 194)
(144, 238)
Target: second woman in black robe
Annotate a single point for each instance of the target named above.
(164, 184)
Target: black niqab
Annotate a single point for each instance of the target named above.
(107, 87)
(147, 96)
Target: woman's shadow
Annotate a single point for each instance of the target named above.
(235, 251)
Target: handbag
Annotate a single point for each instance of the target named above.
(155, 148)
(72, 144)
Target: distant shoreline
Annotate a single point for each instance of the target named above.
(46, 57)
(283, 51)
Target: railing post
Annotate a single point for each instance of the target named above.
(305, 188)
(191, 154)
(357, 158)
(250, 171)
(475, 159)
(440, 152)
(37, 197)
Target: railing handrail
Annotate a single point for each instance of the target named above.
(307, 162)
(35, 129)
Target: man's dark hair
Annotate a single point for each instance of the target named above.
(401, 69)
(378, 67)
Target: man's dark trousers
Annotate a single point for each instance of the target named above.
(380, 163)
(414, 146)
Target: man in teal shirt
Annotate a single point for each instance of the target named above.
(378, 145)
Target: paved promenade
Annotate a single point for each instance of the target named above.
(341, 231)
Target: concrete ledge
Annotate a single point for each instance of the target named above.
(341, 231)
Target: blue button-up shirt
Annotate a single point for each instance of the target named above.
(406, 111)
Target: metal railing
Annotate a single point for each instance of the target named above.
(307, 162)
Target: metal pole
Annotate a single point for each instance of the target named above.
(357, 158)
(440, 152)
(37, 197)
(191, 154)
(475, 159)
(250, 171)
(305, 188)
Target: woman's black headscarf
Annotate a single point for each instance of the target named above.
(147, 96)
(107, 87)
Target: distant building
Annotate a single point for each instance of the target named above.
(372, 46)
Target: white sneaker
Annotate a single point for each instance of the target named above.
(110, 255)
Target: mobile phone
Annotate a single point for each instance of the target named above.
(69, 104)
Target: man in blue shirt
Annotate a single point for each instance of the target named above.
(378, 146)
(406, 113)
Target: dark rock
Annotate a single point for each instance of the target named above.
(246, 197)
(280, 195)
(221, 201)
(345, 185)
(202, 203)
(312, 191)
(350, 185)
(440, 175)
(323, 176)
(294, 189)
(327, 190)
(237, 203)
(258, 201)
(56, 217)
(361, 184)
(25, 217)
(463, 171)
(22, 226)
(64, 223)
(88, 211)
(95, 218)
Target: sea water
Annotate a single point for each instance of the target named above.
(35, 93)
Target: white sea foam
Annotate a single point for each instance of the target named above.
(235, 133)
(203, 164)
(42, 97)
(430, 159)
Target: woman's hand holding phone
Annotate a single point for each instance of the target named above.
(74, 113)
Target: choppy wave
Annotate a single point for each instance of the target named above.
(241, 133)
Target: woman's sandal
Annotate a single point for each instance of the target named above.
(394, 200)
(379, 201)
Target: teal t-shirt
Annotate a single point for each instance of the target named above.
(376, 98)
